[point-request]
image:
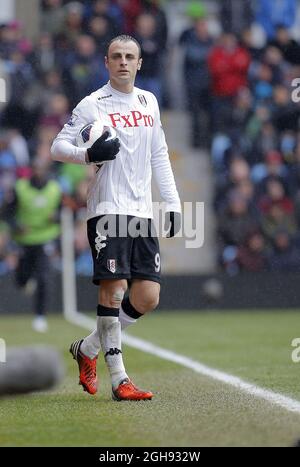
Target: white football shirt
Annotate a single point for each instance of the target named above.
(122, 186)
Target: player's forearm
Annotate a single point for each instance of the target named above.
(164, 177)
(63, 151)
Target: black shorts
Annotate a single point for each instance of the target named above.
(121, 255)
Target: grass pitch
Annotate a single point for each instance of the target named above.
(188, 409)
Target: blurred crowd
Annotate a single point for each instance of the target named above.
(238, 92)
(244, 106)
(46, 78)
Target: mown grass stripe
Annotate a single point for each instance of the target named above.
(280, 400)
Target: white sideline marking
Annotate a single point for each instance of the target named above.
(292, 405)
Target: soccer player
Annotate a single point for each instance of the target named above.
(121, 189)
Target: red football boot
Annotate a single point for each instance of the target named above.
(127, 391)
(87, 368)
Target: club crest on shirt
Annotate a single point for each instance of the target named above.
(112, 265)
(142, 99)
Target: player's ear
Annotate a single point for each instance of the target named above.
(140, 63)
(106, 61)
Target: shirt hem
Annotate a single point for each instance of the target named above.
(143, 215)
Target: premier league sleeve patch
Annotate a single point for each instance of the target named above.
(72, 120)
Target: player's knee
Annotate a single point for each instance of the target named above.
(111, 295)
(117, 297)
(147, 303)
(155, 302)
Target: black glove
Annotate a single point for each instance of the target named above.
(172, 221)
(103, 150)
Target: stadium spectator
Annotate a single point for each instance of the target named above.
(8, 166)
(236, 221)
(145, 33)
(246, 189)
(266, 141)
(73, 22)
(134, 8)
(270, 14)
(252, 254)
(21, 76)
(247, 41)
(131, 9)
(285, 112)
(18, 146)
(228, 64)
(13, 40)
(294, 181)
(275, 195)
(52, 17)
(277, 209)
(8, 257)
(289, 48)
(43, 57)
(153, 8)
(197, 43)
(241, 115)
(261, 115)
(102, 30)
(235, 172)
(273, 58)
(40, 93)
(57, 112)
(83, 69)
(236, 15)
(110, 10)
(285, 256)
(272, 166)
(277, 218)
(262, 84)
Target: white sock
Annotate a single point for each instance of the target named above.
(91, 346)
(109, 329)
(124, 319)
